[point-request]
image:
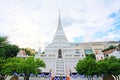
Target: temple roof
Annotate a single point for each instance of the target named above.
(60, 34)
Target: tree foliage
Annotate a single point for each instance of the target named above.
(22, 66)
(114, 66)
(103, 67)
(2, 62)
(119, 46)
(91, 55)
(11, 50)
(90, 67)
(3, 41)
(110, 66)
(6, 49)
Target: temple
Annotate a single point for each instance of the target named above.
(60, 57)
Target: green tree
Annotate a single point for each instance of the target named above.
(91, 55)
(114, 67)
(88, 67)
(26, 66)
(109, 66)
(2, 52)
(119, 47)
(6, 49)
(11, 50)
(2, 62)
(3, 41)
(29, 68)
(103, 67)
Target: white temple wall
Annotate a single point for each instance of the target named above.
(70, 64)
(50, 65)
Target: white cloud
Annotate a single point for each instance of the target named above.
(32, 23)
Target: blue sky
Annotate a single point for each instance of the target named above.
(32, 23)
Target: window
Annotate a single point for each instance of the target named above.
(77, 51)
(88, 51)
